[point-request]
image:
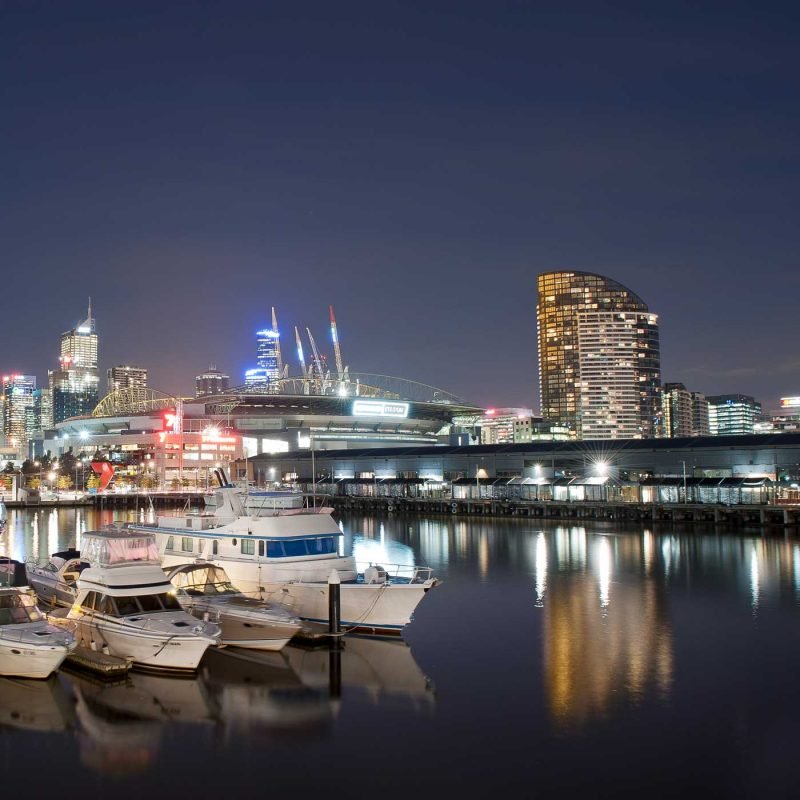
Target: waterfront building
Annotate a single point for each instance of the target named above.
(716, 463)
(733, 414)
(211, 382)
(599, 358)
(75, 384)
(124, 376)
(18, 408)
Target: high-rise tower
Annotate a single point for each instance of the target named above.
(75, 383)
(599, 361)
(268, 358)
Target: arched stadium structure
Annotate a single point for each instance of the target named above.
(294, 414)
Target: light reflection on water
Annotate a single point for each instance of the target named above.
(566, 641)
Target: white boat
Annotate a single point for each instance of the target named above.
(287, 557)
(56, 582)
(125, 605)
(29, 646)
(206, 592)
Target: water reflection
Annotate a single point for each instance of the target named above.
(30, 705)
(606, 638)
(121, 726)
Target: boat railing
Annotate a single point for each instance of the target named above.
(405, 573)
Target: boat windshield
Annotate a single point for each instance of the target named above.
(204, 581)
(111, 550)
(142, 604)
(16, 609)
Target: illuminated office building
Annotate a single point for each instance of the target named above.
(599, 360)
(211, 382)
(268, 358)
(733, 414)
(124, 376)
(75, 384)
(18, 408)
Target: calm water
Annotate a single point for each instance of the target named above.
(572, 660)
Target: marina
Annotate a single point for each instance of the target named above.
(545, 638)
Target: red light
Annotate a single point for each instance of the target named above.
(490, 412)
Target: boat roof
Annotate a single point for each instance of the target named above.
(109, 548)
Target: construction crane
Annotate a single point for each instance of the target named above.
(302, 360)
(336, 349)
(317, 362)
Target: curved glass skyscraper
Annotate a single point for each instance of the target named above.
(599, 360)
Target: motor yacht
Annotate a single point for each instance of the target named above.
(125, 605)
(29, 646)
(287, 557)
(206, 592)
(55, 583)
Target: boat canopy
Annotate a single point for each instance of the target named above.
(112, 549)
(201, 579)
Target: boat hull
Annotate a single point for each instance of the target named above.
(254, 635)
(378, 609)
(145, 649)
(22, 660)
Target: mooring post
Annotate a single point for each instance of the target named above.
(334, 602)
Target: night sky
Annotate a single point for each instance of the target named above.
(191, 164)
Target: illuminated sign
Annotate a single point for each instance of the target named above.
(379, 408)
(219, 439)
(790, 402)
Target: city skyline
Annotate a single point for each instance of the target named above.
(417, 170)
(186, 383)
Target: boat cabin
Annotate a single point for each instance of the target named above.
(118, 548)
(18, 608)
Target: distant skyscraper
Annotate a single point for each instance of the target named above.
(733, 414)
(268, 357)
(124, 376)
(75, 384)
(700, 423)
(43, 409)
(18, 410)
(212, 381)
(678, 411)
(599, 360)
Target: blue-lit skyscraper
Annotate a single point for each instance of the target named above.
(269, 364)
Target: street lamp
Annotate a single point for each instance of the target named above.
(685, 495)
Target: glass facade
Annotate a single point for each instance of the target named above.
(18, 408)
(733, 414)
(599, 358)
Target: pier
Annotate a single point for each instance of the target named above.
(717, 514)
